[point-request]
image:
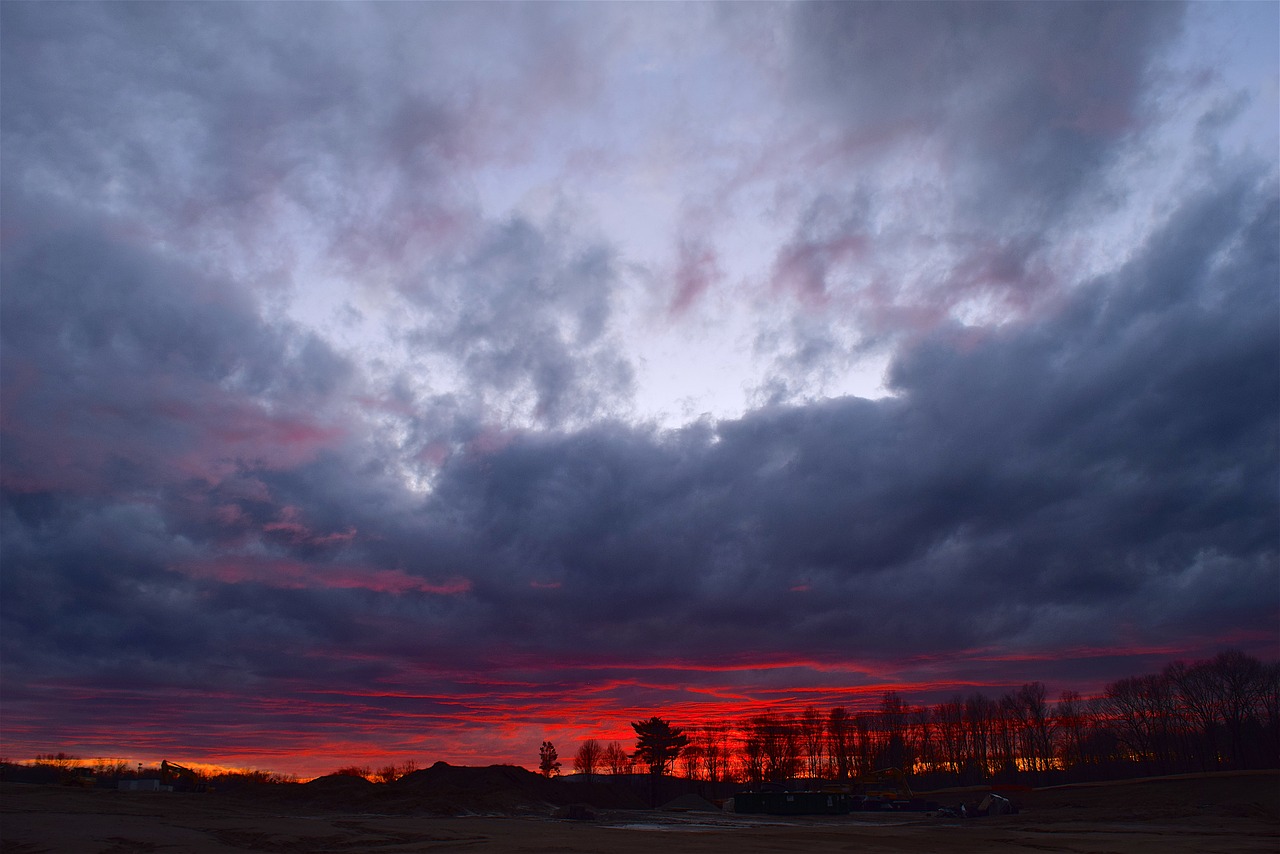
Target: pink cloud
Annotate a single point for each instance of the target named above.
(697, 271)
(804, 268)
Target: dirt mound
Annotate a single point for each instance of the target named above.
(690, 803)
(454, 789)
(442, 775)
(339, 783)
(442, 789)
(457, 789)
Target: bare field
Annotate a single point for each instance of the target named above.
(1211, 813)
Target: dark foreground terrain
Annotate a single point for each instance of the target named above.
(1213, 813)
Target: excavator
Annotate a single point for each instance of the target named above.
(79, 778)
(887, 789)
(886, 785)
(181, 778)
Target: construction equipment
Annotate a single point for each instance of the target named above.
(181, 778)
(887, 785)
(887, 789)
(79, 779)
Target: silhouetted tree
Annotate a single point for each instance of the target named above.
(863, 745)
(924, 732)
(1269, 703)
(691, 760)
(715, 752)
(892, 724)
(949, 716)
(615, 759)
(587, 759)
(1037, 741)
(1198, 707)
(548, 759)
(752, 757)
(1137, 706)
(1238, 682)
(658, 743)
(1070, 714)
(839, 741)
(779, 742)
(811, 730)
(61, 761)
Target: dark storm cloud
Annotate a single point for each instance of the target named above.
(122, 366)
(1112, 464)
(1029, 98)
(139, 395)
(1057, 482)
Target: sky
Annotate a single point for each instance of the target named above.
(421, 380)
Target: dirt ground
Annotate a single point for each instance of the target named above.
(1213, 813)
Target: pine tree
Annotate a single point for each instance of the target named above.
(548, 759)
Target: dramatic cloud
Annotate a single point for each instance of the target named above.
(432, 379)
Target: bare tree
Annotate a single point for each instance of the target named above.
(616, 759)
(778, 739)
(812, 734)
(863, 745)
(587, 760)
(1269, 702)
(949, 716)
(980, 712)
(753, 762)
(1070, 713)
(893, 732)
(691, 760)
(1238, 679)
(1130, 705)
(1006, 733)
(840, 741)
(710, 745)
(922, 725)
(1037, 736)
(1198, 704)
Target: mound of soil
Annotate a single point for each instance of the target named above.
(443, 789)
(690, 803)
(453, 790)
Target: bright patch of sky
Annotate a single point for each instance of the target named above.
(682, 137)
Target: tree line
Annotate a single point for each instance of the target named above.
(1216, 714)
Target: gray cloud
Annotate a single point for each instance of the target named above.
(1030, 99)
(1070, 465)
(961, 144)
(524, 314)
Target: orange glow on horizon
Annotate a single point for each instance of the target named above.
(499, 713)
